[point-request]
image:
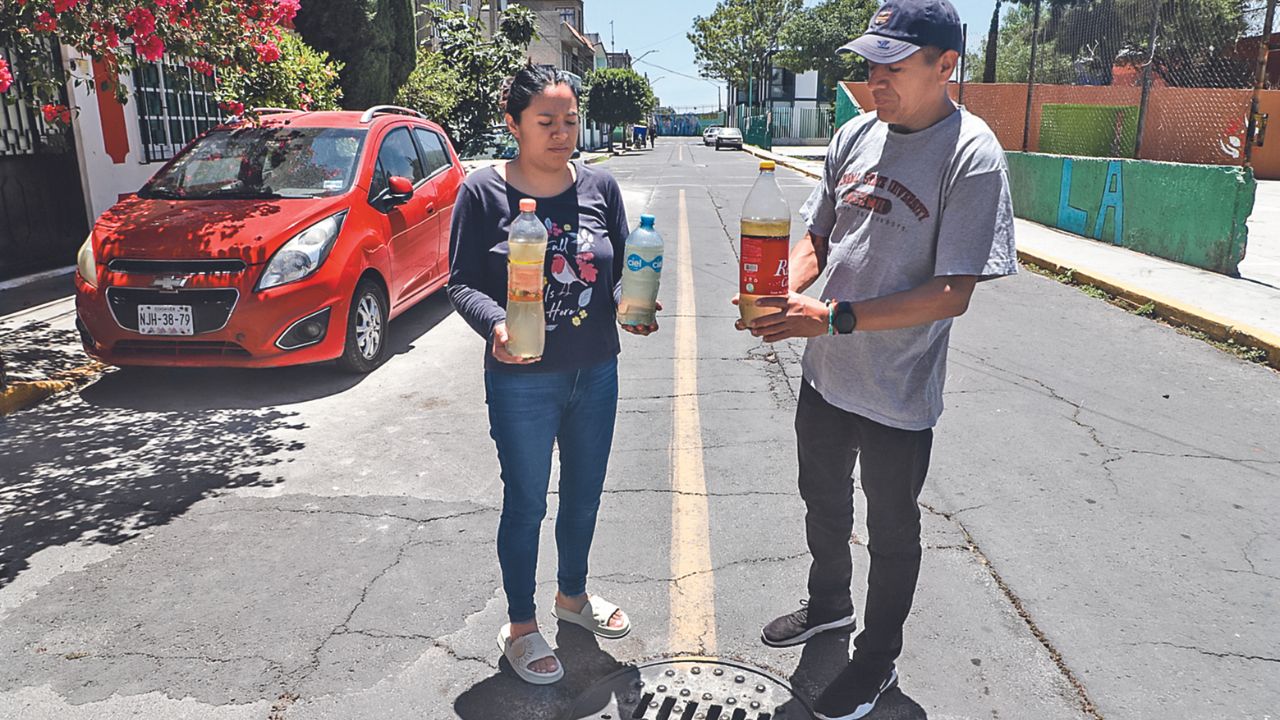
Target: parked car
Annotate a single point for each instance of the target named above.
(709, 135)
(295, 240)
(729, 137)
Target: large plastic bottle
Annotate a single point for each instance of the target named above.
(766, 244)
(641, 275)
(526, 318)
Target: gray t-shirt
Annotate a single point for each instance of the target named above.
(901, 209)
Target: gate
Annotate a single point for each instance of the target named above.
(42, 211)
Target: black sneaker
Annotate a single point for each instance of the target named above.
(800, 626)
(853, 695)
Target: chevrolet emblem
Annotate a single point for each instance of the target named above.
(170, 283)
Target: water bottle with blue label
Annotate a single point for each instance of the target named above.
(641, 273)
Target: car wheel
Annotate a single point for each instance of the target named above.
(366, 346)
(717, 145)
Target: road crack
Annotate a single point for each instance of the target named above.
(1086, 704)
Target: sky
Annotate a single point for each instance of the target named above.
(661, 26)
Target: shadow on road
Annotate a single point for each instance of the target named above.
(142, 445)
(823, 658)
(36, 351)
(506, 696)
(76, 472)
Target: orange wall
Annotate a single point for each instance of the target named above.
(1190, 125)
(1266, 159)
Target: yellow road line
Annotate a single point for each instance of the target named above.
(693, 613)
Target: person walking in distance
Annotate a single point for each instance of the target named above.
(568, 396)
(912, 211)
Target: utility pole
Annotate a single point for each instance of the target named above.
(1257, 126)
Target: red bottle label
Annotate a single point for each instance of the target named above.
(763, 269)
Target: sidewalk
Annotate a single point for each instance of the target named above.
(39, 343)
(1244, 310)
(588, 157)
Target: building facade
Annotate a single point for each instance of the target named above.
(799, 107)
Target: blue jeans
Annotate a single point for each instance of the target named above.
(528, 412)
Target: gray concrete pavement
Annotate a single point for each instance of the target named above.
(297, 544)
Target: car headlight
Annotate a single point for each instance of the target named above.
(85, 264)
(303, 254)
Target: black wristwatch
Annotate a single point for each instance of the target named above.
(845, 321)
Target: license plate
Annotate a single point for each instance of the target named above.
(165, 320)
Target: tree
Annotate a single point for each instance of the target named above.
(1013, 52)
(231, 36)
(374, 39)
(1190, 41)
(482, 67)
(811, 38)
(993, 42)
(302, 78)
(617, 96)
(734, 42)
(1082, 41)
(433, 87)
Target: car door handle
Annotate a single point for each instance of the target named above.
(431, 209)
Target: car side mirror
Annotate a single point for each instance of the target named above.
(399, 190)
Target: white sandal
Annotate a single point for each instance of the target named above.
(595, 617)
(525, 650)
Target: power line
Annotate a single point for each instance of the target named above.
(677, 72)
(669, 37)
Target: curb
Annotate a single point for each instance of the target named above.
(783, 160)
(37, 277)
(24, 395)
(1173, 311)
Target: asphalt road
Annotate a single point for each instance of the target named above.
(297, 544)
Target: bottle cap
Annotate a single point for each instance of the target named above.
(646, 221)
(528, 205)
(768, 165)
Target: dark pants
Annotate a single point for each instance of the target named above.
(894, 465)
(528, 414)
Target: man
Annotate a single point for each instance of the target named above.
(912, 211)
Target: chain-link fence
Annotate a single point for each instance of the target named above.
(1174, 80)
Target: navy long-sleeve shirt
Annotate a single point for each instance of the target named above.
(586, 233)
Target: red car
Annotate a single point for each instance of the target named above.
(294, 240)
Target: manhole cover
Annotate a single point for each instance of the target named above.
(689, 689)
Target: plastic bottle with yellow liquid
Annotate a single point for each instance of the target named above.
(527, 251)
(766, 245)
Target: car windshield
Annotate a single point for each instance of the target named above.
(731, 132)
(262, 163)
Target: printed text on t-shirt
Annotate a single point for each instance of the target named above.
(855, 189)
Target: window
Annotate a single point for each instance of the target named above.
(175, 105)
(570, 15)
(782, 85)
(434, 157)
(398, 156)
(263, 162)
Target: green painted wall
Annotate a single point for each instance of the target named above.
(846, 107)
(1192, 214)
(1093, 130)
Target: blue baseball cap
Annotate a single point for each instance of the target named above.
(901, 27)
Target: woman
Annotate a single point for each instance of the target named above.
(570, 394)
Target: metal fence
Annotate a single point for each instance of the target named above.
(804, 123)
(783, 123)
(1177, 80)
